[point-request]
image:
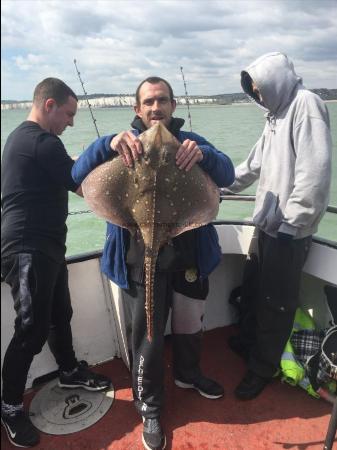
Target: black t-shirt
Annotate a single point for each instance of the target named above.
(35, 180)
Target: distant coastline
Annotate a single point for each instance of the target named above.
(127, 100)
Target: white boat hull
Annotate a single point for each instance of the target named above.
(98, 322)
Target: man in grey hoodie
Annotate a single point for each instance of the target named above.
(292, 160)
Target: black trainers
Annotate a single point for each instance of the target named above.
(20, 430)
(251, 386)
(153, 435)
(205, 386)
(84, 378)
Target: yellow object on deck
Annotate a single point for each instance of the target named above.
(292, 370)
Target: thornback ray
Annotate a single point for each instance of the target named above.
(155, 197)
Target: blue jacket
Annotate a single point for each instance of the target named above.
(113, 263)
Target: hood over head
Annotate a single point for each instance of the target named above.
(275, 77)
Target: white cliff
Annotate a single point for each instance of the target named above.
(110, 102)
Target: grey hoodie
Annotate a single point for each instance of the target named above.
(292, 158)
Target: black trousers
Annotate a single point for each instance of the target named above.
(147, 357)
(280, 266)
(41, 297)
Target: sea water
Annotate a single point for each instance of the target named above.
(233, 129)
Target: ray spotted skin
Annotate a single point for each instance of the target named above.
(154, 196)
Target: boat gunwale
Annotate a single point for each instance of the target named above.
(86, 256)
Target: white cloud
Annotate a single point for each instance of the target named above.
(118, 43)
(29, 62)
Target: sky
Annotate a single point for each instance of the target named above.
(119, 43)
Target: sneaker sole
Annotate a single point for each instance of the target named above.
(11, 439)
(191, 386)
(149, 448)
(83, 386)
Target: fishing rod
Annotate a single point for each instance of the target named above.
(187, 98)
(86, 97)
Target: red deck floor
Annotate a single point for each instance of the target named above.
(282, 417)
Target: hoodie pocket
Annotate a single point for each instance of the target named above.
(270, 216)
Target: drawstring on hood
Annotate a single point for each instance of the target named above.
(271, 121)
(275, 77)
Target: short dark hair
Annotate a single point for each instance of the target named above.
(154, 80)
(53, 88)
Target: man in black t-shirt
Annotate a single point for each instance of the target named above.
(35, 180)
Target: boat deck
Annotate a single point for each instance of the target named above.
(282, 417)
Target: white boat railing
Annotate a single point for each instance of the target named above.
(251, 198)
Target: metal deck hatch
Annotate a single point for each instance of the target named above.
(63, 411)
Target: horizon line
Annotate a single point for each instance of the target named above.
(80, 96)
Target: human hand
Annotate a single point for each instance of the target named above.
(188, 154)
(128, 146)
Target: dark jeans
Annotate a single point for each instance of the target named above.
(41, 297)
(280, 267)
